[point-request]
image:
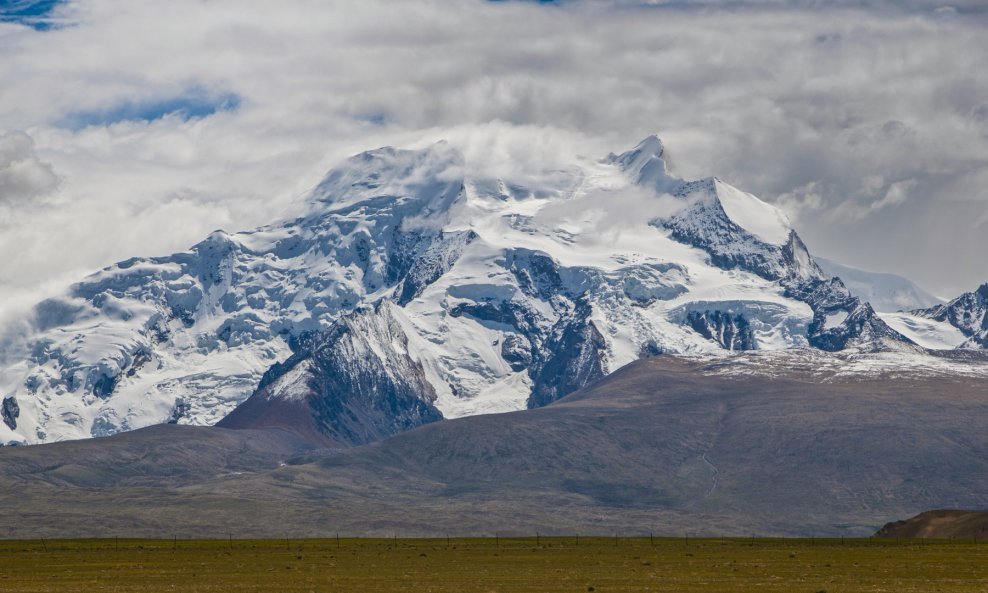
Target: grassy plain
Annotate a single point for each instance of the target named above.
(599, 565)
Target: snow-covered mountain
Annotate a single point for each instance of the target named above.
(451, 293)
(885, 292)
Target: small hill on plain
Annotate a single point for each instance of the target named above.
(940, 524)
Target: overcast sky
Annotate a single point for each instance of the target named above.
(137, 127)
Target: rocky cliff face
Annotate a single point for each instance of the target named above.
(731, 331)
(352, 384)
(968, 313)
(9, 411)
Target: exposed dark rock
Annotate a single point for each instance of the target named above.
(441, 255)
(574, 357)
(353, 384)
(105, 425)
(404, 250)
(841, 319)
(517, 352)
(141, 357)
(180, 410)
(537, 273)
(104, 384)
(515, 313)
(731, 331)
(278, 369)
(705, 225)
(560, 357)
(9, 410)
(362, 397)
(650, 349)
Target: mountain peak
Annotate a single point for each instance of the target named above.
(217, 237)
(433, 171)
(651, 145)
(645, 166)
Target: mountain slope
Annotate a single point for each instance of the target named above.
(165, 456)
(510, 293)
(887, 293)
(354, 384)
(756, 444)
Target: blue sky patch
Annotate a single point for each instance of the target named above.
(195, 103)
(32, 13)
(530, 1)
(376, 119)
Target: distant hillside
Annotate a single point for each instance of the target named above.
(940, 524)
(716, 447)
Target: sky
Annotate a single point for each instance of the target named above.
(136, 128)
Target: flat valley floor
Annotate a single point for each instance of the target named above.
(599, 565)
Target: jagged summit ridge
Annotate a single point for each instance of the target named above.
(646, 167)
(968, 313)
(507, 295)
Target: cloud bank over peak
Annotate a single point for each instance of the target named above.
(866, 121)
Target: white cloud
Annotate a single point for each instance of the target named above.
(821, 110)
(802, 202)
(894, 194)
(22, 175)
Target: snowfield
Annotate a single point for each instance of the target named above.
(935, 335)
